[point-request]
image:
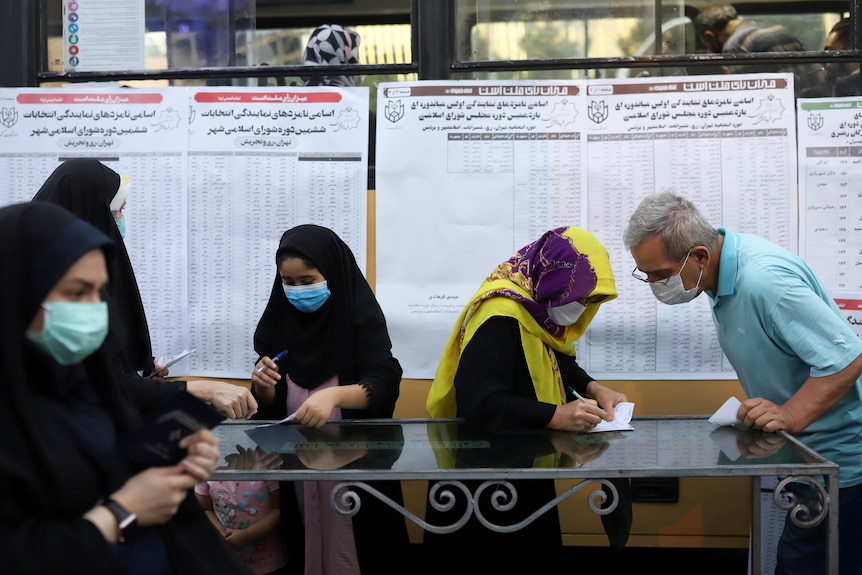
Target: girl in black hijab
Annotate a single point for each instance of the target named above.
(68, 502)
(338, 364)
(87, 188)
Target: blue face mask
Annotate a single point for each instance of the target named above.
(72, 331)
(121, 224)
(307, 298)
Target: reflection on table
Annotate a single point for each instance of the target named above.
(451, 452)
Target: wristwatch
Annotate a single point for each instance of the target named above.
(124, 517)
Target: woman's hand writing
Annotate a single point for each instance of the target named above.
(606, 397)
(580, 415)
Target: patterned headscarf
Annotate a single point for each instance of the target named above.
(550, 272)
(334, 45)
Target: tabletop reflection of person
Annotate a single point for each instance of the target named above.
(331, 446)
(247, 458)
(578, 450)
(316, 455)
(755, 444)
(364, 447)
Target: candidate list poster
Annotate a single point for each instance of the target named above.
(728, 144)
(467, 174)
(458, 194)
(830, 172)
(261, 161)
(140, 133)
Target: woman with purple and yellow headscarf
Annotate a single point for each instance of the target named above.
(509, 367)
(510, 362)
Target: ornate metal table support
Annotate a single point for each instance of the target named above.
(346, 501)
(803, 513)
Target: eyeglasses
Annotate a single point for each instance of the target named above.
(641, 276)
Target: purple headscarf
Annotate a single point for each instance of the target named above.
(552, 270)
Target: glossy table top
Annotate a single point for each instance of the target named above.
(440, 449)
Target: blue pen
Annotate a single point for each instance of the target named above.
(279, 355)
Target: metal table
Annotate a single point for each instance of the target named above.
(448, 452)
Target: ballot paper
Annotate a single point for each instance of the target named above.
(622, 419)
(168, 360)
(726, 414)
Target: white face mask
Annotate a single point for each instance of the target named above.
(567, 314)
(672, 291)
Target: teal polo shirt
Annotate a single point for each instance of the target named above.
(777, 325)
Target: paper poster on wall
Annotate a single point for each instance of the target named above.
(139, 133)
(262, 161)
(103, 35)
(217, 176)
(469, 172)
(830, 169)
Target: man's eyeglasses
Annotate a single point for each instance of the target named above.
(641, 276)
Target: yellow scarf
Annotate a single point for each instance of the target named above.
(538, 344)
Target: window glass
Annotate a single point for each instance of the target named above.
(811, 29)
(379, 44)
(518, 30)
(513, 30)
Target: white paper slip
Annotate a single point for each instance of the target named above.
(622, 419)
(726, 414)
(168, 360)
(285, 420)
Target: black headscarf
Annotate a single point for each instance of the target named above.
(50, 475)
(41, 464)
(347, 336)
(85, 187)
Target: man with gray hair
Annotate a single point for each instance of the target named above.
(797, 357)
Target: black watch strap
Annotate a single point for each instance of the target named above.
(124, 517)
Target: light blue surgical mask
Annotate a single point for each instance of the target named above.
(72, 331)
(307, 298)
(121, 224)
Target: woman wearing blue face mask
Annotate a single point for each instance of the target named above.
(338, 364)
(70, 503)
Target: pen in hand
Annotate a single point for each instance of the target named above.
(581, 397)
(278, 356)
